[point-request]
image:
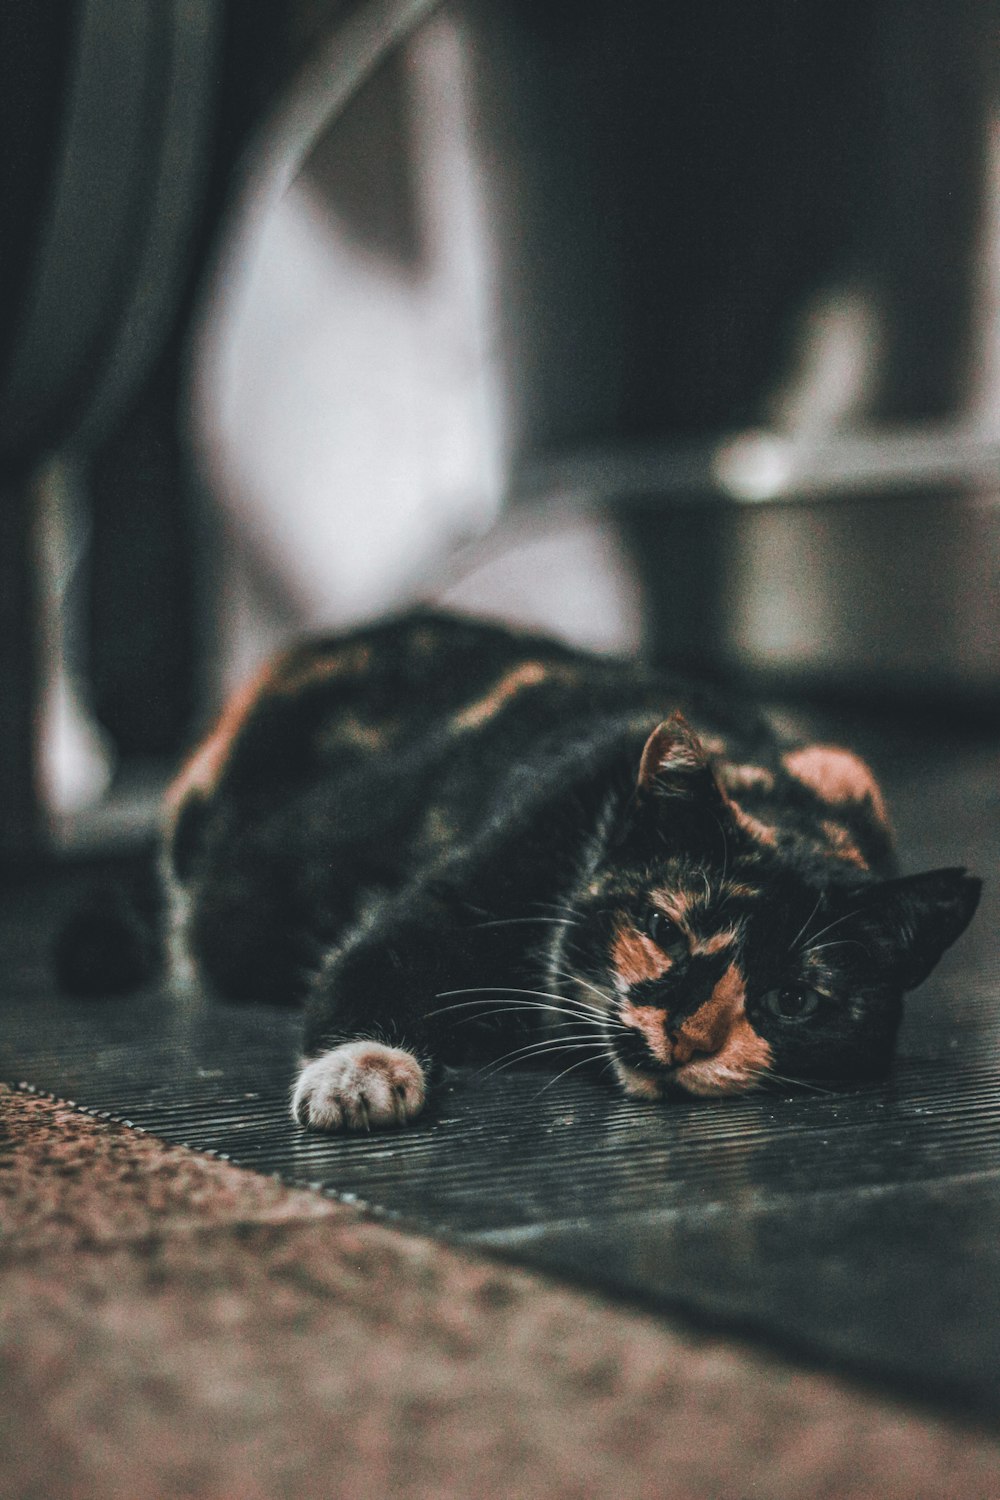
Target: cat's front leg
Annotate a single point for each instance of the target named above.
(370, 1040)
(377, 1027)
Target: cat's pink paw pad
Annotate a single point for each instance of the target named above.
(359, 1086)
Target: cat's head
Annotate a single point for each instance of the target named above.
(739, 946)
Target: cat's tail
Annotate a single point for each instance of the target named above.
(113, 939)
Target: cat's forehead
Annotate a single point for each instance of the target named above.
(689, 900)
(693, 896)
(769, 909)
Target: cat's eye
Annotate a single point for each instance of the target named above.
(793, 1002)
(665, 932)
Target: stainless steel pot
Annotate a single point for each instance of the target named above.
(746, 269)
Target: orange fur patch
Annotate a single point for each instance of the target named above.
(843, 845)
(351, 729)
(673, 904)
(202, 770)
(714, 1051)
(528, 674)
(286, 674)
(837, 776)
(291, 674)
(733, 1069)
(746, 1049)
(637, 1085)
(649, 1020)
(709, 1027)
(717, 1050)
(715, 943)
(761, 833)
(636, 957)
(438, 829)
(737, 778)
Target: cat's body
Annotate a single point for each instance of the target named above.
(448, 840)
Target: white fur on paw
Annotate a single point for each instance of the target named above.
(359, 1086)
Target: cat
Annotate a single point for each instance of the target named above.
(448, 839)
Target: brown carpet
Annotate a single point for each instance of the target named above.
(172, 1326)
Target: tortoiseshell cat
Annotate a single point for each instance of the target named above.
(447, 838)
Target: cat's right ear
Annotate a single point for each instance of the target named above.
(675, 763)
(905, 925)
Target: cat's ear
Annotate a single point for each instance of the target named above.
(675, 762)
(907, 924)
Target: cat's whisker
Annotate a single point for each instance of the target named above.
(594, 1010)
(569, 1042)
(838, 943)
(537, 1051)
(602, 1011)
(571, 1069)
(830, 927)
(528, 1000)
(562, 908)
(507, 1062)
(768, 1075)
(725, 852)
(805, 924)
(500, 989)
(564, 1004)
(496, 1010)
(572, 978)
(571, 946)
(519, 921)
(565, 1013)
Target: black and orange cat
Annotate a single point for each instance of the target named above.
(449, 839)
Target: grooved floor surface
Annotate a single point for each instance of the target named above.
(860, 1229)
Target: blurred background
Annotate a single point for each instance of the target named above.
(670, 329)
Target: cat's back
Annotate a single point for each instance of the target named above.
(333, 704)
(418, 686)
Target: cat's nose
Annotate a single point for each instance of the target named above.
(683, 1047)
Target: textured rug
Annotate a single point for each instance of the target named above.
(172, 1328)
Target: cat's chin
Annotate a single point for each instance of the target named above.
(704, 1078)
(640, 1084)
(708, 1078)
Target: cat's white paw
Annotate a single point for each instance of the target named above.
(359, 1086)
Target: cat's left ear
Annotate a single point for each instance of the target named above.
(675, 762)
(907, 924)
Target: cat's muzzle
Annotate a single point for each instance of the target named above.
(634, 1050)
